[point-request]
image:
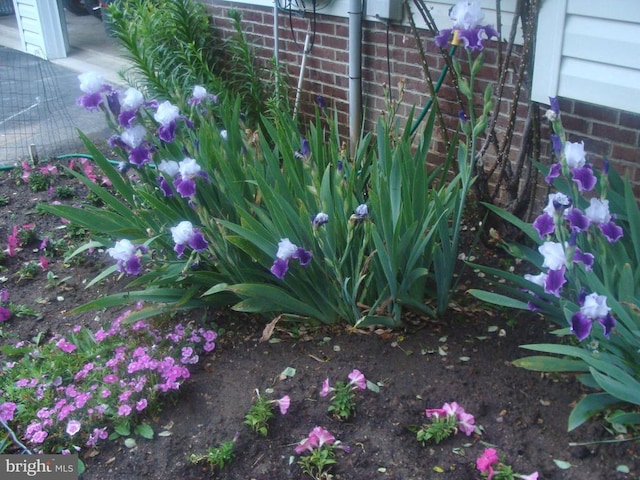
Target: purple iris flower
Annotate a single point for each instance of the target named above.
(554, 103)
(134, 141)
(287, 251)
(319, 219)
(556, 143)
(611, 231)
(200, 95)
(321, 102)
(93, 87)
(554, 172)
(467, 17)
(167, 115)
(578, 221)
(544, 225)
(584, 177)
(305, 149)
(113, 102)
(185, 234)
(165, 187)
(130, 102)
(126, 254)
(593, 307)
(473, 37)
(554, 281)
(598, 213)
(184, 181)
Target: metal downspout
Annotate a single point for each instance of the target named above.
(355, 73)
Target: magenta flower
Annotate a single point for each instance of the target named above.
(326, 388)
(533, 476)
(283, 404)
(434, 412)
(124, 410)
(39, 437)
(5, 314)
(12, 242)
(466, 423)
(65, 346)
(357, 378)
(141, 404)
(316, 439)
(486, 461)
(73, 427)
(7, 411)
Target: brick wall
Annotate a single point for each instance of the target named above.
(606, 132)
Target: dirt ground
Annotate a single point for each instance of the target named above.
(463, 357)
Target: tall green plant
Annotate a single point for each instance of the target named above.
(170, 43)
(206, 211)
(587, 252)
(173, 46)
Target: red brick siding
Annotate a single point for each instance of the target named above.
(606, 132)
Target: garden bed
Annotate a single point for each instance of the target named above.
(463, 357)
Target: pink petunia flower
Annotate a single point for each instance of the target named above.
(12, 242)
(326, 388)
(486, 461)
(73, 427)
(357, 378)
(466, 423)
(283, 404)
(65, 346)
(141, 404)
(124, 410)
(7, 410)
(533, 476)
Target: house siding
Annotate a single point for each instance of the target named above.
(607, 132)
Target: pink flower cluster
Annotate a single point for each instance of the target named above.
(27, 170)
(121, 380)
(466, 422)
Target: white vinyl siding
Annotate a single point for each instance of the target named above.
(587, 50)
(42, 28)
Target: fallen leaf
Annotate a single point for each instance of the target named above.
(267, 332)
(562, 464)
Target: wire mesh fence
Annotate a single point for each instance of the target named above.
(35, 116)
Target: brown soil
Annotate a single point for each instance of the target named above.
(459, 357)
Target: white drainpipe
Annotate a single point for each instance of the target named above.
(355, 73)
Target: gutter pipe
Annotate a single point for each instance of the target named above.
(276, 39)
(355, 73)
